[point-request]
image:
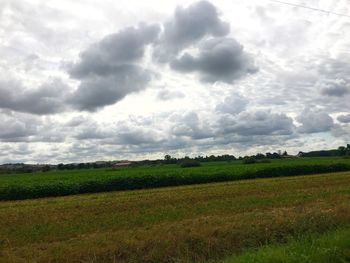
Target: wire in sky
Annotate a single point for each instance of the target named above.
(311, 8)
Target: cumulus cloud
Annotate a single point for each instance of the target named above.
(97, 91)
(219, 59)
(336, 91)
(336, 87)
(188, 26)
(115, 50)
(138, 137)
(314, 121)
(47, 99)
(344, 118)
(261, 123)
(190, 125)
(91, 130)
(110, 69)
(16, 128)
(233, 104)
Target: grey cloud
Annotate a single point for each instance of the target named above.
(219, 59)
(92, 131)
(169, 95)
(122, 133)
(138, 137)
(112, 52)
(190, 125)
(99, 91)
(314, 121)
(76, 121)
(335, 68)
(184, 130)
(108, 70)
(233, 104)
(17, 128)
(314, 80)
(188, 26)
(336, 91)
(344, 118)
(257, 123)
(341, 132)
(47, 99)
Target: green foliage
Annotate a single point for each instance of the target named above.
(190, 163)
(249, 160)
(68, 182)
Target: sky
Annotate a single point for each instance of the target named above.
(92, 80)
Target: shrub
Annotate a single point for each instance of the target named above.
(249, 160)
(190, 163)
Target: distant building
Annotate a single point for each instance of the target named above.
(122, 164)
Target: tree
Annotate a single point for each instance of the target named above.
(189, 163)
(342, 150)
(46, 168)
(249, 160)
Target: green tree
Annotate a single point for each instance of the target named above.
(342, 150)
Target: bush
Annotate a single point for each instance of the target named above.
(249, 160)
(190, 163)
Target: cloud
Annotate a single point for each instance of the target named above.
(138, 137)
(219, 59)
(314, 121)
(17, 128)
(111, 69)
(336, 91)
(262, 122)
(188, 26)
(190, 125)
(233, 104)
(47, 99)
(97, 91)
(113, 51)
(169, 95)
(91, 131)
(344, 118)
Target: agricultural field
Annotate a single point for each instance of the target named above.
(334, 246)
(68, 182)
(217, 222)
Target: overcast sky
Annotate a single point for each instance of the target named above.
(89, 80)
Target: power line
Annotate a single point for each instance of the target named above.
(308, 7)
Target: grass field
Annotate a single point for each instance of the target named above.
(175, 224)
(60, 183)
(332, 247)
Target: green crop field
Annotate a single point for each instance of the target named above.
(197, 223)
(60, 183)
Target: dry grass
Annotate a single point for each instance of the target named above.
(180, 224)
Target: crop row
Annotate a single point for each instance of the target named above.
(131, 182)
